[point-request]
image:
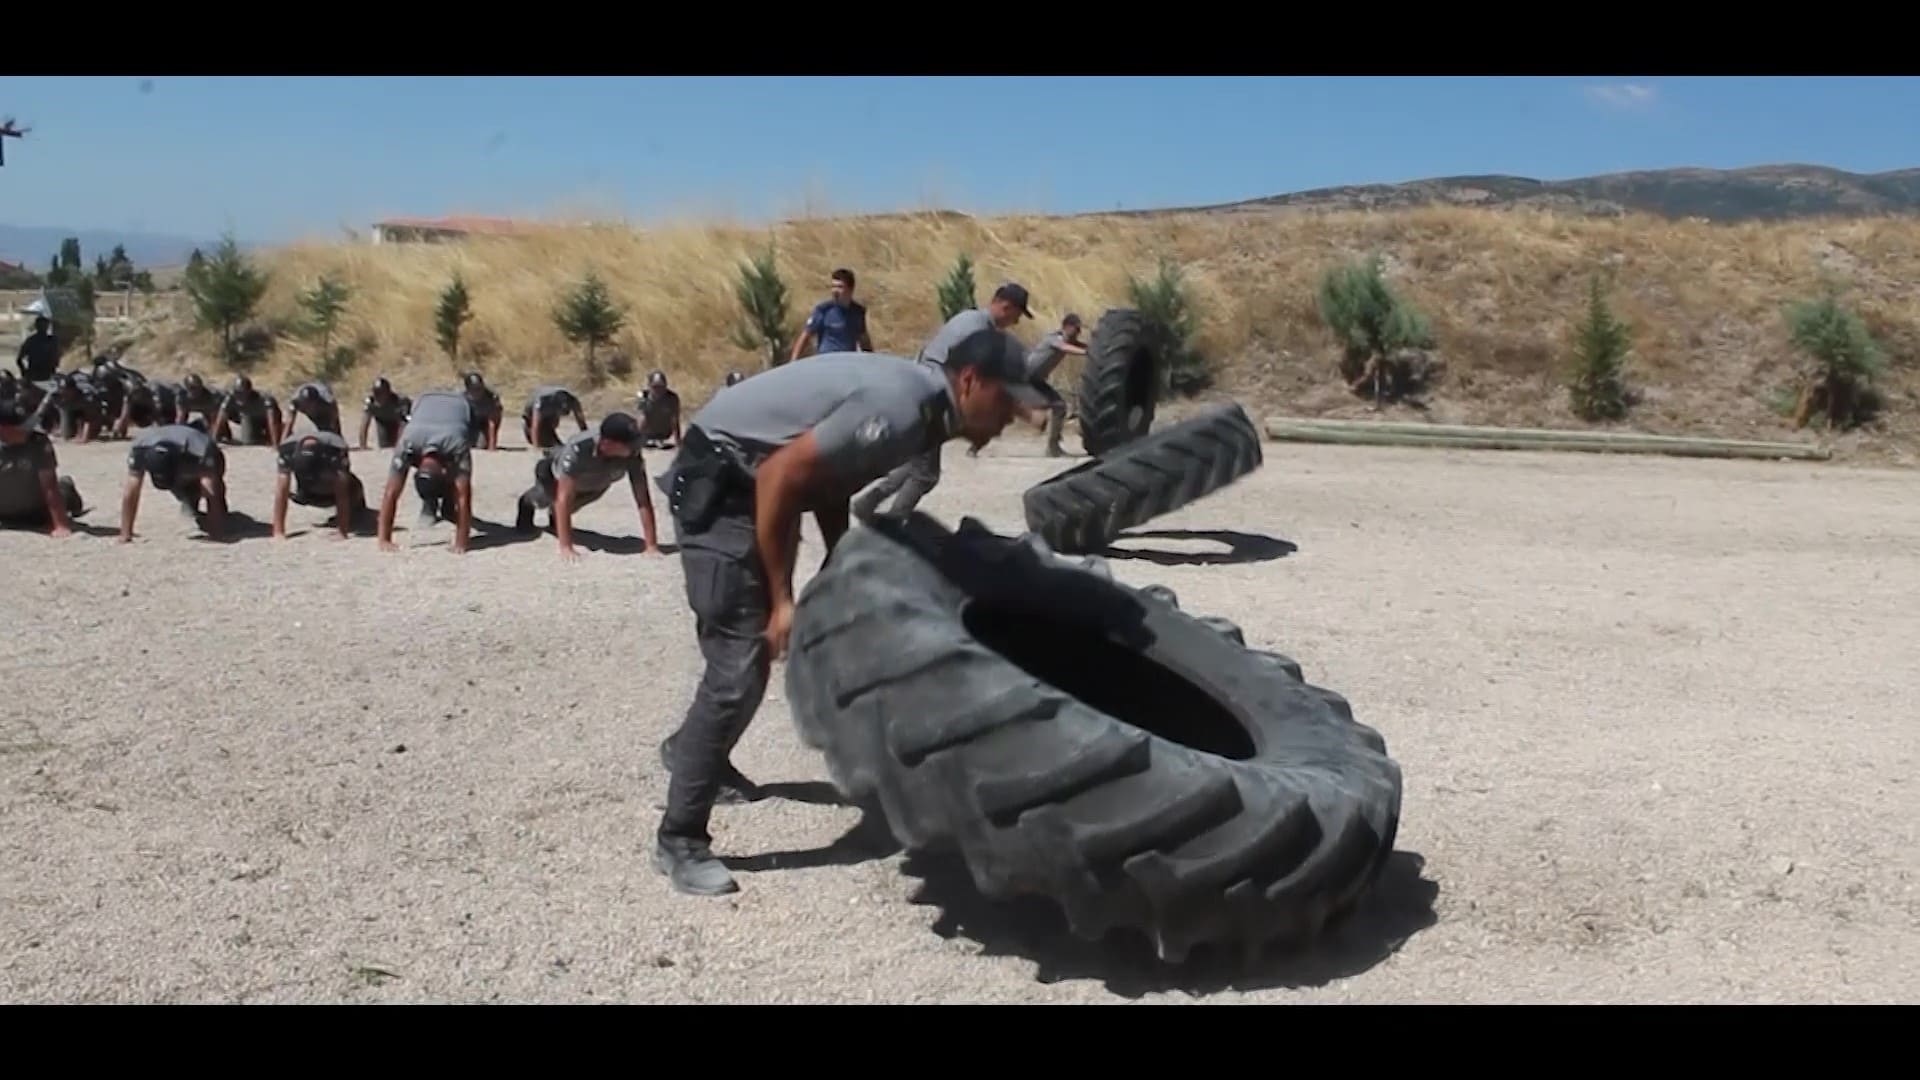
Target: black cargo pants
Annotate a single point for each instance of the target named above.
(912, 480)
(727, 590)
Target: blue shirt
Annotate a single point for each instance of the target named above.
(837, 329)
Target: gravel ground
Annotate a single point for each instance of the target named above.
(1649, 712)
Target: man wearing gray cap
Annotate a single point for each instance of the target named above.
(917, 477)
(793, 439)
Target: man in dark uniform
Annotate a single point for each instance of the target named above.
(915, 478)
(316, 470)
(484, 428)
(186, 463)
(837, 324)
(39, 356)
(734, 376)
(196, 396)
(386, 409)
(540, 420)
(147, 402)
(315, 401)
(33, 494)
(577, 473)
(73, 409)
(438, 447)
(802, 437)
(261, 422)
(659, 413)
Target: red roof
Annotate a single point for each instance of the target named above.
(464, 223)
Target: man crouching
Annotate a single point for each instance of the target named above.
(438, 446)
(32, 492)
(581, 470)
(315, 470)
(186, 463)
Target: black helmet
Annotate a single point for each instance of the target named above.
(194, 382)
(735, 376)
(657, 378)
(382, 386)
(242, 384)
(473, 381)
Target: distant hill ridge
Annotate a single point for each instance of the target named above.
(1759, 193)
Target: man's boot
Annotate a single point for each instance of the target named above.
(692, 868)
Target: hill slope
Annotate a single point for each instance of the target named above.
(1503, 290)
(1761, 193)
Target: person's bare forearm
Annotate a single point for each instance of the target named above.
(776, 534)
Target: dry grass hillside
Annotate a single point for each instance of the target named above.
(1503, 289)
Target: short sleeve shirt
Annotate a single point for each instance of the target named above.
(441, 424)
(1046, 356)
(837, 329)
(20, 469)
(333, 450)
(553, 401)
(580, 458)
(198, 450)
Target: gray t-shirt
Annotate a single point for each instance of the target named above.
(20, 469)
(580, 458)
(333, 450)
(552, 401)
(869, 412)
(198, 451)
(956, 330)
(440, 423)
(1045, 356)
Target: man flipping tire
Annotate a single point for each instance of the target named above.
(793, 439)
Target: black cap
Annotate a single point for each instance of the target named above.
(620, 427)
(474, 381)
(12, 415)
(997, 354)
(1016, 294)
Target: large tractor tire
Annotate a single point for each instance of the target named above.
(1082, 740)
(1084, 508)
(1120, 384)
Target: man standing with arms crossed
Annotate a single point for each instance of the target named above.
(917, 477)
(795, 439)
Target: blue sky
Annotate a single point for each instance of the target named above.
(276, 158)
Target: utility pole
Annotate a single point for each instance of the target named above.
(10, 130)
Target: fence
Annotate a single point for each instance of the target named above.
(108, 307)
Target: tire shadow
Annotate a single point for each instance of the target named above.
(1242, 547)
(867, 840)
(1400, 905)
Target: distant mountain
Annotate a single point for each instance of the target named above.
(1761, 193)
(34, 246)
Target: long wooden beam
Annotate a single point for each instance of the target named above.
(1464, 437)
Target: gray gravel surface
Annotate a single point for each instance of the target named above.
(1656, 720)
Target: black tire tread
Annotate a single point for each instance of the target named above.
(1086, 507)
(1118, 337)
(1043, 794)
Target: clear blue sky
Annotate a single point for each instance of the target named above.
(275, 158)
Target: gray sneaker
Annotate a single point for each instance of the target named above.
(692, 868)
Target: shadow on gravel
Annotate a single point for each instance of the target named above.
(492, 534)
(1399, 906)
(1242, 547)
(237, 527)
(869, 839)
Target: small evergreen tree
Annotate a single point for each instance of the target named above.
(452, 313)
(324, 304)
(1374, 326)
(763, 303)
(1167, 303)
(956, 291)
(224, 289)
(1845, 359)
(587, 315)
(1597, 387)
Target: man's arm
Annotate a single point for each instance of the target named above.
(563, 490)
(389, 502)
(343, 502)
(366, 422)
(56, 505)
(214, 483)
(277, 424)
(784, 484)
(643, 499)
(580, 414)
(281, 489)
(832, 517)
(493, 429)
(463, 499)
(129, 505)
(126, 415)
(803, 342)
